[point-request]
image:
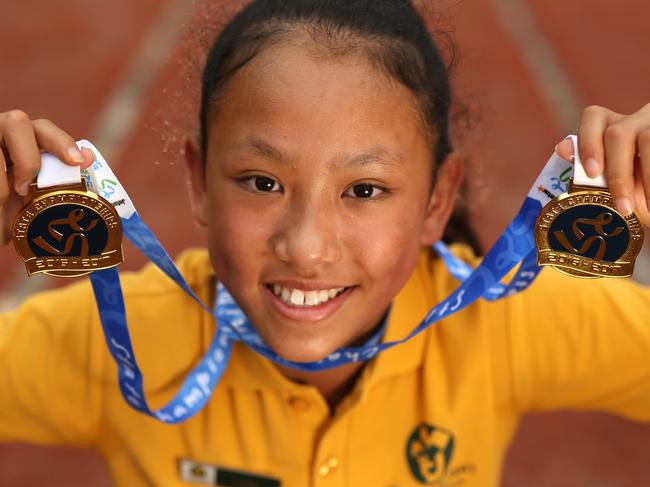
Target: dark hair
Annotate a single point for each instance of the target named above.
(390, 34)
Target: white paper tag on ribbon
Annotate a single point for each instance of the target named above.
(54, 172)
(580, 177)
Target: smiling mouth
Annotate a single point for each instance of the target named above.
(305, 299)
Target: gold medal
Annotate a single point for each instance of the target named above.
(68, 231)
(580, 233)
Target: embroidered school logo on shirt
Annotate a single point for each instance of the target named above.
(429, 451)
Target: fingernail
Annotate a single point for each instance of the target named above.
(23, 189)
(92, 154)
(75, 155)
(623, 205)
(592, 167)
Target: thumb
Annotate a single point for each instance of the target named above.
(565, 150)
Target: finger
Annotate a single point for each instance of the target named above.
(20, 142)
(620, 147)
(641, 206)
(4, 182)
(644, 162)
(565, 150)
(52, 139)
(4, 195)
(89, 157)
(593, 123)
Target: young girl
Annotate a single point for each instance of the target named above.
(323, 174)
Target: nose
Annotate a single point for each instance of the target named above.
(306, 238)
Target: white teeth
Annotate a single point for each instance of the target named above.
(296, 297)
(311, 298)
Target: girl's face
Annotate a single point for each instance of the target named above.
(317, 188)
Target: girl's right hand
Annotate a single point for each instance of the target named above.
(21, 142)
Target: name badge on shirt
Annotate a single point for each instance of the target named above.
(580, 233)
(67, 231)
(205, 474)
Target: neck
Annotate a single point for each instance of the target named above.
(334, 384)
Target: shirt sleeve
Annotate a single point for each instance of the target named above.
(581, 344)
(51, 365)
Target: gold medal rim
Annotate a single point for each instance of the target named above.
(114, 241)
(627, 259)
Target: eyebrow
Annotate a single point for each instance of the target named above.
(377, 155)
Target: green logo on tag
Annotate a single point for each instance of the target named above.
(192, 472)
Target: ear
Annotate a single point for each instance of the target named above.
(196, 183)
(443, 198)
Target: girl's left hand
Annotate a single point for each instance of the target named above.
(619, 146)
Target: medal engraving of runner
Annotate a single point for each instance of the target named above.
(67, 231)
(580, 233)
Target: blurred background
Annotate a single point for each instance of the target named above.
(125, 74)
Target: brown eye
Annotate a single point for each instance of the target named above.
(365, 191)
(260, 184)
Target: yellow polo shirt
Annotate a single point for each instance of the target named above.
(438, 410)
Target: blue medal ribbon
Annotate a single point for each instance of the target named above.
(515, 245)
